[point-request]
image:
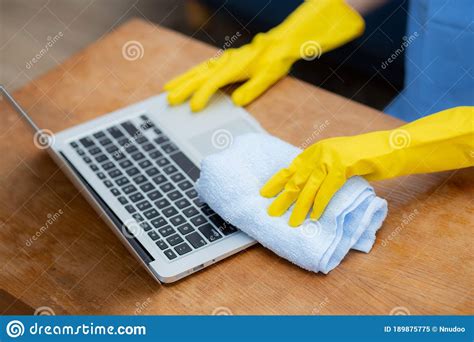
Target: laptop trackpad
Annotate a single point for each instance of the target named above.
(220, 138)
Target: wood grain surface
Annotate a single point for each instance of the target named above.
(422, 261)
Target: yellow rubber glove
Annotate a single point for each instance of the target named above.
(315, 27)
(441, 141)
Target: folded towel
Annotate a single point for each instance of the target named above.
(230, 182)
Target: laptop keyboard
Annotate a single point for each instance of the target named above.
(154, 181)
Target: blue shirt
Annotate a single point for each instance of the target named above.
(439, 71)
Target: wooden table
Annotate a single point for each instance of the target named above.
(422, 262)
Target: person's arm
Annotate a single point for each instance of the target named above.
(439, 142)
(315, 27)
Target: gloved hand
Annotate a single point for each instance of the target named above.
(441, 141)
(313, 28)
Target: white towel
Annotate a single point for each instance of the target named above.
(230, 181)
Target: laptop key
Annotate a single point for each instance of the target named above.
(80, 152)
(196, 240)
(170, 169)
(139, 179)
(186, 165)
(198, 220)
(146, 227)
(131, 149)
(138, 156)
(162, 162)
(136, 197)
(137, 217)
(161, 139)
(130, 208)
(170, 211)
(170, 254)
(161, 244)
(141, 140)
(158, 222)
(185, 185)
(132, 171)
(182, 203)
(115, 173)
(185, 229)
(108, 183)
(129, 189)
(174, 239)
(177, 220)
(74, 144)
(125, 163)
(87, 142)
(107, 166)
(87, 160)
(115, 191)
(154, 195)
(154, 235)
(123, 200)
(177, 177)
(169, 148)
(115, 132)
(111, 148)
(175, 195)
(224, 227)
(122, 181)
(99, 135)
(156, 154)
(159, 179)
(94, 150)
(94, 167)
(144, 164)
(209, 232)
(183, 248)
(162, 203)
(147, 187)
(124, 141)
(167, 187)
(105, 141)
(101, 158)
(166, 231)
(150, 214)
(130, 128)
(190, 212)
(100, 175)
(143, 205)
(118, 156)
(148, 147)
(207, 210)
(152, 171)
(191, 193)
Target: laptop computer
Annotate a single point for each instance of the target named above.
(137, 167)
